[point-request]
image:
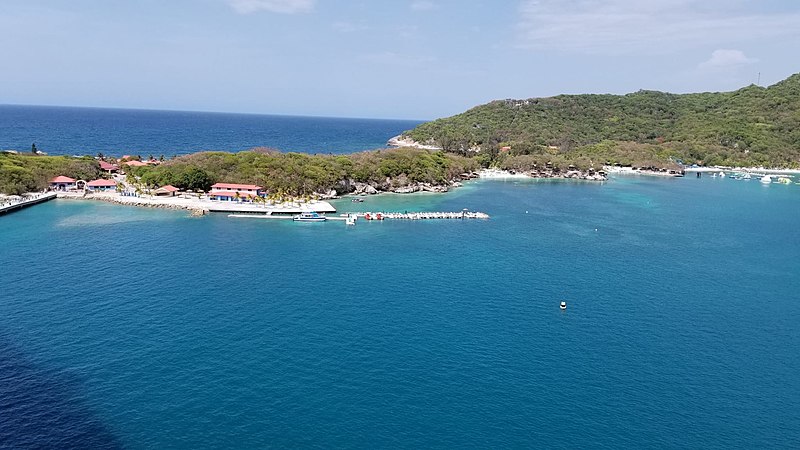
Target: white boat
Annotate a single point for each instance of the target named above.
(563, 305)
(309, 217)
(350, 220)
(766, 179)
(722, 174)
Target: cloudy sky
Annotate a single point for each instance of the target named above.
(417, 59)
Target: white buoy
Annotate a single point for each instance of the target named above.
(563, 305)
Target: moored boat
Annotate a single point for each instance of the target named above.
(309, 217)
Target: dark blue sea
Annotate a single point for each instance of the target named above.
(116, 132)
(141, 328)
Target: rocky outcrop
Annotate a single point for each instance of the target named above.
(404, 141)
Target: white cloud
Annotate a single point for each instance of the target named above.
(655, 26)
(423, 5)
(276, 6)
(727, 58)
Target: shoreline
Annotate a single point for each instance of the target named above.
(399, 141)
(499, 174)
(200, 206)
(716, 169)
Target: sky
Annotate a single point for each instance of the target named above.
(403, 59)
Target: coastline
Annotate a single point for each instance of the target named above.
(715, 169)
(399, 141)
(200, 206)
(588, 175)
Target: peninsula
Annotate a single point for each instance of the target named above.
(752, 127)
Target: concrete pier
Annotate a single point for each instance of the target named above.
(25, 202)
(422, 215)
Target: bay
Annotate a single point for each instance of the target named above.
(140, 328)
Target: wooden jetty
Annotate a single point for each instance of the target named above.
(31, 200)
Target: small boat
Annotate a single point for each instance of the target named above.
(766, 179)
(309, 217)
(722, 174)
(563, 305)
(784, 180)
(357, 200)
(350, 220)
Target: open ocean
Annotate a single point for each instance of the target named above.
(116, 132)
(146, 328)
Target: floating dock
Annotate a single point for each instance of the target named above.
(25, 202)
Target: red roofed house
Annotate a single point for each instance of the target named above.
(62, 183)
(167, 190)
(234, 192)
(108, 167)
(101, 185)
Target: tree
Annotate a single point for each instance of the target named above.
(33, 148)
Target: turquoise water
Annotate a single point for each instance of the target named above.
(116, 132)
(144, 328)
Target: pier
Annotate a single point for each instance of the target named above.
(422, 215)
(30, 200)
(370, 216)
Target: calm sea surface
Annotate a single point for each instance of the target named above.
(81, 131)
(143, 328)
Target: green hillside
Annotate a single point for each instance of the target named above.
(752, 126)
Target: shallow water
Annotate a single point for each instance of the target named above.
(145, 328)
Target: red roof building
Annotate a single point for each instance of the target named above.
(108, 166)
(167, 190)
(62, 183)
(232, 191)
(101, 185)
(236, 187)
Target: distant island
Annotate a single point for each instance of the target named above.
(751, 127)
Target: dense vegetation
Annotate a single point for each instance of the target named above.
(304, 174)
(285, 173)
(20, 173)
(753, 126)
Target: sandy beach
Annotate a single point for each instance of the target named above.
(399, 141)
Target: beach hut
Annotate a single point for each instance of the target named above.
(101, 185)
(108, 167)
(62, 183)
(166, 191)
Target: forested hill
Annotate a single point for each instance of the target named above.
(752, 126)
